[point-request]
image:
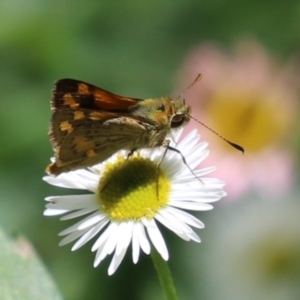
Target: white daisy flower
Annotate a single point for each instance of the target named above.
(129, 197)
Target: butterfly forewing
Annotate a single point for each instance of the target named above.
(74, 94)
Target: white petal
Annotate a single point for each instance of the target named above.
(171, 226)
(77, 225)
(185, 217)
(174, 222)
(103, 237)
(194, 196)
(176, 135)
(186, 176)
(182, 144)
(102, 245)
(88, 198)
(70, 206)
(89, 235)
(135, 244)
(88, 179)
(191, 193)
(178, 227)
(194, 237)
(156, 238)
(91, 220)
(196, 150)
(70, 229)
(142, 238)
(172, 167)
(72, 237)
(125, 236)
(77, 214)
(191, 205)
(116, 260)
(54, 212)
(111, 241)
(71, 202)
(97, 260)
(213, 182)
(114, 238)
(64, 182)
(195, 160)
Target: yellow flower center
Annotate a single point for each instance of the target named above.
(133, 188)
(250, 120)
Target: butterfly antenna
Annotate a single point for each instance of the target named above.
(236, 146)
(198, 78)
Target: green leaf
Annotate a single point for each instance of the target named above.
(22, 274)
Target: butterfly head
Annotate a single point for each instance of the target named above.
(181, 113)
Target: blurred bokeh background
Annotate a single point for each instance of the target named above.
(248, 53)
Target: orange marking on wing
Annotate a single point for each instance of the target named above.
(83, 89)
(78, 115)
(66, 126)
(82, 143)
(111, 102)
(70, 101)
(101, 116)
(91, 153)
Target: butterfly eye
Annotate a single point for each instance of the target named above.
(177, 121)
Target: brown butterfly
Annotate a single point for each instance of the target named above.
(90, 124)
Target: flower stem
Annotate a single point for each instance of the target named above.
(164, 275)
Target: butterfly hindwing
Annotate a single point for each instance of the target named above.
(92, 138)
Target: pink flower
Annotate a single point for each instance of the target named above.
(250, 99)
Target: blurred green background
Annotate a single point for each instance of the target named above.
(133, 48)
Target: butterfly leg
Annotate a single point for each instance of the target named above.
(168, 147)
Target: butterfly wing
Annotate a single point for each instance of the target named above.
(89, 124)
(92, 139)
(74, 94)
